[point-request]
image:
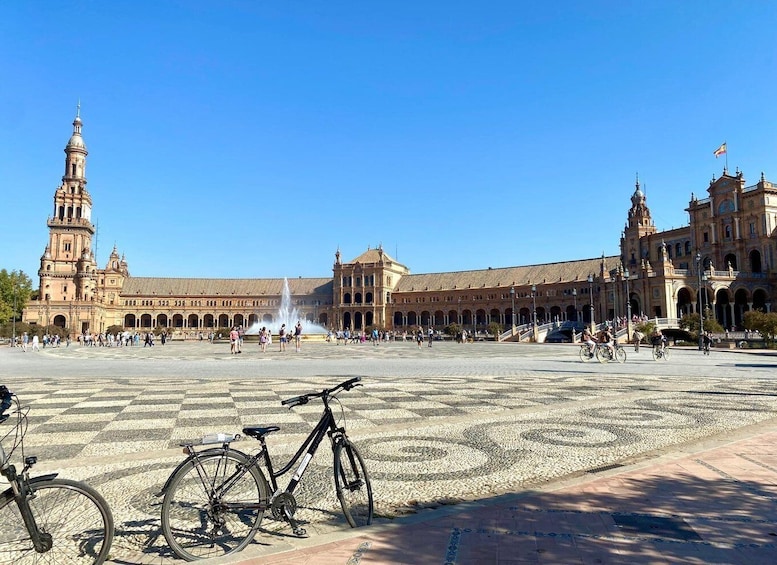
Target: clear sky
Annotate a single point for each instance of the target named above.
(255, 138)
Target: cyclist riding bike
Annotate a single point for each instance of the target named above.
(606, 340)
(658, 339)
(589, 340)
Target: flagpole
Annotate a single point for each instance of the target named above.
(726, 144)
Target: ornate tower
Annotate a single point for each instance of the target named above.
(68, 268)
(639, 225)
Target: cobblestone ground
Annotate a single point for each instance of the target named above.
(436, 425)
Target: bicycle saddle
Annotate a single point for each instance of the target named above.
(259, 432)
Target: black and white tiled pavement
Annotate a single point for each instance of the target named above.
(447, 423)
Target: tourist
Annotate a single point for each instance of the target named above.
(297, 336)
(282, 336)
(35, 343)
(263, 339)
(431, 335)
(233, 341)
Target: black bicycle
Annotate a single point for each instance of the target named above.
(45, 519)
(214, 501)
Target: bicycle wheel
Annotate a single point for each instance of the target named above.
(620, 355)
(74, 514)
(665, 354)
(202, 515)
(656, 354)
(603, 354)
(585, 354)
(352, 484)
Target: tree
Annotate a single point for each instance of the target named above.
(15, 292)
(762, 322)
(691, 323)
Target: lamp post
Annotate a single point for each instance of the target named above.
(591, 301)
(13, 319)
(701, 309)
(574, 297)
(534, 309)
(512, 312)
(628, 304)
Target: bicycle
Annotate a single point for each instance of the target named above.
(660, 352)
(46, 519)
(587, 352)
(214, 501)
(606, 354)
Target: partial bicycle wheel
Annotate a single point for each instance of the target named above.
(206, 512)
(620, 355)
(655, 353)
(585, 354)
(76, 517)
(352, 484)
(603, 354)
(666, 354)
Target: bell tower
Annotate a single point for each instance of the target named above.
(68, 267)
(638, 226)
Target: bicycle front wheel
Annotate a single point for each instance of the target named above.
(213, 506)
(76, 517)
(352, 484)
(656, 354)
(666, 354)
(620, 355)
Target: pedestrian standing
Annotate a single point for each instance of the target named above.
(298, 336)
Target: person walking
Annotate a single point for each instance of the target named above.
(419, 336)
(431, 335)
(638, 335)
(35, 343)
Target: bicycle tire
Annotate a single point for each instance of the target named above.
(665, 355)
(620, 355)
(602, 355)
(77, 517)
(585, 354)
(655, 354)
(352, 483)
(193, 524)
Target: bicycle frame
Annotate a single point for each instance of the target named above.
(325, 426)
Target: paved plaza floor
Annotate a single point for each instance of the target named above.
(466, 445)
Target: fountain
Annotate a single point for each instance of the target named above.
(289, 315)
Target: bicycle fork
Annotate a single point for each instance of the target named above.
(41, 541)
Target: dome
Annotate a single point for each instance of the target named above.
(76, 141)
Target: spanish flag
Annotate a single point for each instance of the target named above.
(720, 150)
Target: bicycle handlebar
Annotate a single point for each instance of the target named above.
(6, 399)
(327, 392)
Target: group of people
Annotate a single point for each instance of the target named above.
(606, 339)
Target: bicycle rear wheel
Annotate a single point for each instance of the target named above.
(585, 354)
(352, 484)
(656, 354)
(76, 517)
(603, 354)
(202, 515)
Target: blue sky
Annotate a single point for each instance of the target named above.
(254, 139)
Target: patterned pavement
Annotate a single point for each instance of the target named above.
(437, 426)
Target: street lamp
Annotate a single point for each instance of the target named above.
(512, 312)
(534, 309)
(591, 300)
(574, 297)
(628, 296)
(700, 301)
(628, 304)
(13, 322)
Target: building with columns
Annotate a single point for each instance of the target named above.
(722, 261)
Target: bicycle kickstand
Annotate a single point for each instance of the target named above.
(295, 527)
